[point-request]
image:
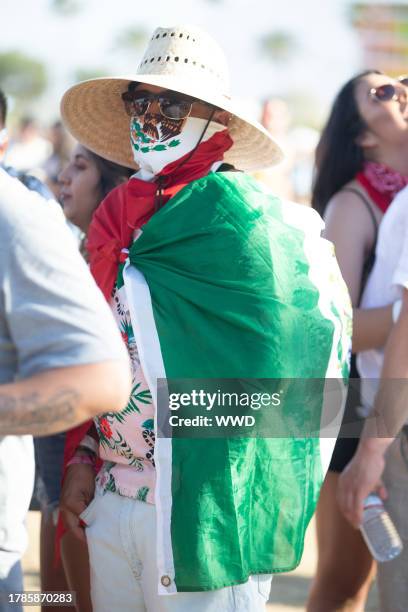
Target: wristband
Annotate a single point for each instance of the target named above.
(86, 459)
(396, 309)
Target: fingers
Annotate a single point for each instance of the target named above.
(79, 532)
(74, 524)
(75, 506)
(350, 499)
(350, 508)
(356, 515)
(71, 519)
(382, 491)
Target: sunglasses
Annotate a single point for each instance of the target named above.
(171, 106)
(389, 91)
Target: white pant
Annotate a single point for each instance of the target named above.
(121, 534)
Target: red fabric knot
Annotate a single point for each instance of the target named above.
(123, 255)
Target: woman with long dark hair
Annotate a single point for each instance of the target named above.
(361, 164)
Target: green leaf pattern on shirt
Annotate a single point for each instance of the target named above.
(112, 426)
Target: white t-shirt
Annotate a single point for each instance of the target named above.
(388, 276)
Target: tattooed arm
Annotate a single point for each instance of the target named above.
(54, 323)
(61, 398)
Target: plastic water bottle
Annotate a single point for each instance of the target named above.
(379, 531)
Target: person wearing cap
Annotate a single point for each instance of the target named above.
(209, 277)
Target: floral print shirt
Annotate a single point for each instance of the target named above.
(126, 439)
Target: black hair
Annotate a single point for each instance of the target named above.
(111, 174)
(338, 155)
(3, 109)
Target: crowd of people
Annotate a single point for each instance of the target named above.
(148, 250)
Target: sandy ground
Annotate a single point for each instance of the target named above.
(288, 594)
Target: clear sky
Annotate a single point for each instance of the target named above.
(328, 51)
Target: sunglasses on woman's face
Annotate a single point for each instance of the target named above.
(171, 106)
(389, 91)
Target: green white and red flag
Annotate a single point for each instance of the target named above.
(228, 281)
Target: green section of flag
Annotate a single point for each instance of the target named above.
(232, 297)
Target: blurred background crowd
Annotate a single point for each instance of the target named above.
(294, 57)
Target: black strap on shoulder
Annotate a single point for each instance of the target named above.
(368, 207)
(370, 259)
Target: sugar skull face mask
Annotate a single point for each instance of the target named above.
(157, 141)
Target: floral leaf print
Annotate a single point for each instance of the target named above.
(111, 484)
(137, 463)
(121, 447)
(133, 354)
(126, 331)
(105, 433)
(148, 424)
(142, 493)
(145, 149)
(144, 397)
(105, 428)
(159, 148)
(150, 457)
(174, 143)
(119, 283)
(131, 407)
(149, 438)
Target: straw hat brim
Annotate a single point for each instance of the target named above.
(94, 113)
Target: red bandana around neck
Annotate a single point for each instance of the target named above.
(131, 205)
(381, 183)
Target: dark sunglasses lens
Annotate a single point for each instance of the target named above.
(139, 105)
(135, 106)
(385, 92)
(403, 80)
(174, 108)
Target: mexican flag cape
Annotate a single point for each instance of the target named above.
(227, 281)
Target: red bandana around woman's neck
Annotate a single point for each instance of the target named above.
(381, 183)
(131, 205)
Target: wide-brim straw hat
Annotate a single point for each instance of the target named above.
(183, 59)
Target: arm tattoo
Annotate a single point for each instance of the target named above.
(39, 415)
